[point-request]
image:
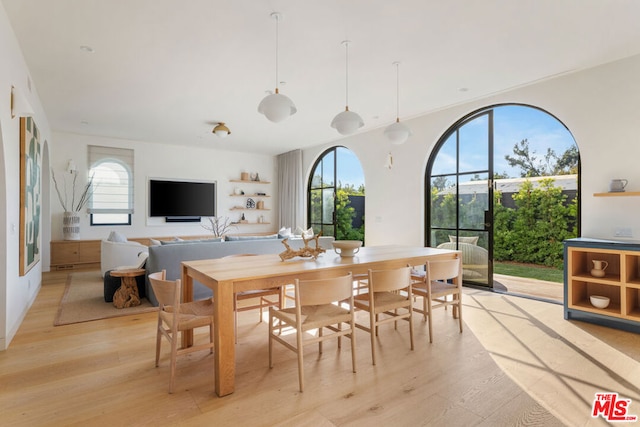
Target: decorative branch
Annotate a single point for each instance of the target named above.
(218, 225)
(84, 198)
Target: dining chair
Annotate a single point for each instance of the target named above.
(440, 280)
(318, 307)
(259, 294)
(388, 299)
(174, 317)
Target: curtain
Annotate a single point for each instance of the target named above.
(290, 190)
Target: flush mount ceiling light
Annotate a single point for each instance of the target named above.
(347, 122)
(397, 132)
(221, 130)
(276, 106)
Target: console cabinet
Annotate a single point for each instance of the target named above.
(75, 254)
(620, 283)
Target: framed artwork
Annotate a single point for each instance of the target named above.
(30, 194)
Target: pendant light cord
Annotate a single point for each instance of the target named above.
(346, 44)
(277, 17)
(397, 64)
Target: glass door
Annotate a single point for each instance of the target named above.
(460, 187)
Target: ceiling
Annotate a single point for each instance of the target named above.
(166, 71)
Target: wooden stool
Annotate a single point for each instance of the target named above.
(127, 295)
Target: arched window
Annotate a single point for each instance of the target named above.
(112, 199)
(335, 195)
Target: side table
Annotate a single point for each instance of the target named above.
(127, 294)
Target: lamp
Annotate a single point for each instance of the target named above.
(19, 105)
(276, 106)
(221, 130)
(71, 167)
(347, 121)
(397, 132)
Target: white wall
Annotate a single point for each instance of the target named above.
(152, 160)
(16, 293)
(600, 106)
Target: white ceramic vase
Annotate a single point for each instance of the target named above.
(71, 226)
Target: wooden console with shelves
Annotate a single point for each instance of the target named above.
(620, 283)
(75, 254)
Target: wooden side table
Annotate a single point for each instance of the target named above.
(127, 294)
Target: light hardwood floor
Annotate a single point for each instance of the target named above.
(518, 362)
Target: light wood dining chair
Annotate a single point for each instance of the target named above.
(174, 317)
(388, 299)
(255, 294)
(441, 280)
(318, 306)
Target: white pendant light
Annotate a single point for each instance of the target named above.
(221, 130)
(347, 122)
(276, 106)
(397, 132)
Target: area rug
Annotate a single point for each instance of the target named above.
(83, 301)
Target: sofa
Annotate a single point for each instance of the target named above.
(170, 256)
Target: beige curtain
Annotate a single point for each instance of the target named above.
(290, 190)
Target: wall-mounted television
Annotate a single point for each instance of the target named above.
(181, 200)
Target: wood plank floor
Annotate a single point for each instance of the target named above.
(518, 362)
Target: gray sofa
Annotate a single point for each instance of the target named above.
(169, 257)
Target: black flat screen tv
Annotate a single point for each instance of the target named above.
(181, 200)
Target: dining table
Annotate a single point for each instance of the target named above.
(227, 276)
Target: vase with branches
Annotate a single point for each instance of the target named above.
(72, 202)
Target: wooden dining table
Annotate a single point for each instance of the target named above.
(226, 276)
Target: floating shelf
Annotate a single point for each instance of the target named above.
(248, 181)
(248, 195)
(618, 194)
(248, 209)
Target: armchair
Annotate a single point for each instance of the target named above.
(116, 254)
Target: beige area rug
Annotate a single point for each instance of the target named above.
(83, 301)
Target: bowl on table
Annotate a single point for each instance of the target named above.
(347, 248)
(599, 301)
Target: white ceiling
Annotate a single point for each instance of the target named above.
(167, 70)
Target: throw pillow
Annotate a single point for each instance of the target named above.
(465, 239)
(283, 233)
(115, 236)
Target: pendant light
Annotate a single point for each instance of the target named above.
(276, 106)
(397, 132)
(347, 122)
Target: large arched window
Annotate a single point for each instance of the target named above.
(502, 187)
(335, 195)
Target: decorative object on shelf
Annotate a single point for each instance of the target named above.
(238, 191)
(30, 195)
(221, 130)
(347, 121)
(244, 176)
(598, 268)
(276, 107)
(617, 185)
(260, 204)
(218, 225)
(243, 219)
(253, 176)
(305, 252)
(261, 194)
(251, 204)
(347, 248)
(599, 301)
(397, 132)
(256, 177)
(72, 208)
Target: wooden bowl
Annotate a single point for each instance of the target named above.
(347, 248)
